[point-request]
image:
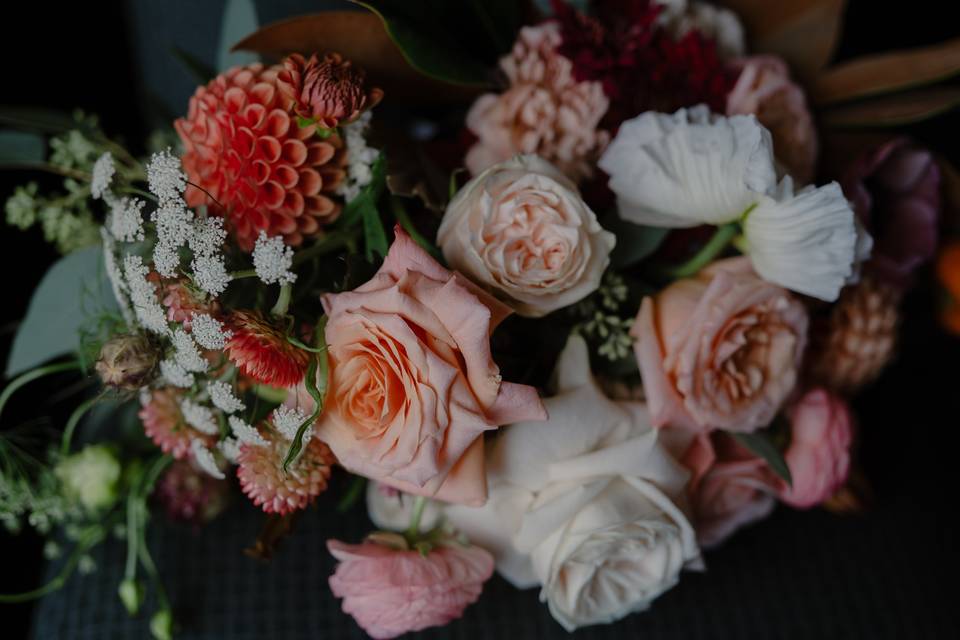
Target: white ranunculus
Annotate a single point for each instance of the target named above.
(689, 168)
(808, 242)
(521, 230)
(588, 505)
(392, 510)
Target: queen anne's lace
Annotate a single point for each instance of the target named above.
(187, 355)
(205, 459)
(103, 170)
(272, 260)
(165, 177)
(143, 295)
(221, 394)
(210, 274)
(199, 417)
(175, 374)
(246, 433)
(287, 420)
(208, 331)
(126, 219)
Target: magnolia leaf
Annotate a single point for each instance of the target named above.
(51, 328)
(894, 110)
(456, 42)
(803, 32)
(21, 149)
(361, 38)
(759, 444)
(239, 19)
(887, 72)
(634, 242)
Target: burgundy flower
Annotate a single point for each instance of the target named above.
(895, 190)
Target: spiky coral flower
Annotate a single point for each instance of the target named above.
(163, 423)
(263, 480)
(330, 91)
(262, 352)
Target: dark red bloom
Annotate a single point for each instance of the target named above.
(641, 65)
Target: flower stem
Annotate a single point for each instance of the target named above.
(414, 529)
(74, 420)
(328, 244)
(721, 240)
(283, 300)
(32, 375)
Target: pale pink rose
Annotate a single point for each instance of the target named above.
(765, 90)
(729, 488)
(521, 230)
(390, 592)
(821, 430)
(544, 110)
(412, 383)
(720, 350)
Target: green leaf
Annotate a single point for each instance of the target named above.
(374, 235)
(318, 373)
(37, 119)
(456, 42)
(55, 315)
(21, 148)
(760, 444)
(239, 20)
(634, 242)
(197, 68)
(353, 211)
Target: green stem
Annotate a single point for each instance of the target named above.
(87, 540)
(714, 247)
(400, 213)
(34, 374)
(74, 420)
(283, 300)
(414, 529)
(352, 495)
(246, 273)
(138, 192)
(328, 244)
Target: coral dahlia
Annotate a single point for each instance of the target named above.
(248, 159)
(261, 350)
(329, 92)
(263, 480)
(164, 424)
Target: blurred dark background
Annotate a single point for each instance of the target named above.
(887, 573)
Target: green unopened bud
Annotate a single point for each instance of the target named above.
(161, 625)
(90, 476)
(128, 362)
(131, 595)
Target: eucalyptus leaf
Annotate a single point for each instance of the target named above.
(74, 284)
(761, 445)
(456, 42)
(21, 148)
(239, 20)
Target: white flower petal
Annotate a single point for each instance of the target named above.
(808, 242)
(205, 459)
(689, 168)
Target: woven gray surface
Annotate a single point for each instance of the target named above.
(798, 575)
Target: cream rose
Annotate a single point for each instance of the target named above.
(521, 230)
(721, 350)
(413, 384)
(584, 505)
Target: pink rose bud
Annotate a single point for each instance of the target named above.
(819, 453)
(390, 592)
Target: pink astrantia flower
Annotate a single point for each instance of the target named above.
(390, 592)
(412, 381)
(544, 111)
(821, 430)
(164, 424)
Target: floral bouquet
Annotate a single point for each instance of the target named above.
(565, 285)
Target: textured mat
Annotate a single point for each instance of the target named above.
(798, 575)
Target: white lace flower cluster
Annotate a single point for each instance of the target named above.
(360, 157)
(272, 260)
(691, 168)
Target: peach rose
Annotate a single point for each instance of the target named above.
(720, 350)
(821, 429)
(521, 230)
(729, 487)
(390, 592)
(412, 384)
(765, 90)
